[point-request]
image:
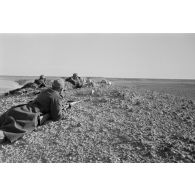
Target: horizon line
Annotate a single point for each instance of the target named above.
(103, 77)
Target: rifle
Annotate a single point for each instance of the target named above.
(71, 103)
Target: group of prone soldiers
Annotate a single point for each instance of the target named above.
(76, 82)
(48, 105)
(24, 118)
(40, 83)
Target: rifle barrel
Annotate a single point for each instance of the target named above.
(71, 103)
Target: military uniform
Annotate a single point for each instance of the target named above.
(76, 81)
(23, 119)
(38, 83)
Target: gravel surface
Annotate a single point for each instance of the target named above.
(114, 124)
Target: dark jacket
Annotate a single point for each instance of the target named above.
(49, 101)
(23, 119)
(77, 81)
(40, 82)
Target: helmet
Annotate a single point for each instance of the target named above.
(75, 75)
(58, 84)
(42, 76)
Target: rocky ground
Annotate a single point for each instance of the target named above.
(114, 124)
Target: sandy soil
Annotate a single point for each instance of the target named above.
(115, 124)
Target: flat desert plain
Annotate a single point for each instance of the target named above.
(133, 120)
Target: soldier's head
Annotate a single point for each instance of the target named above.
(75, 75)
(58, 85)
(42, 77)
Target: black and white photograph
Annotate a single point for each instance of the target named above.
(97, 98)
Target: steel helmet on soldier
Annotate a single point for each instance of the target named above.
(42, 76)
(75, 75)
(58, 84)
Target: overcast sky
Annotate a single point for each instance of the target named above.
(107, 55)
